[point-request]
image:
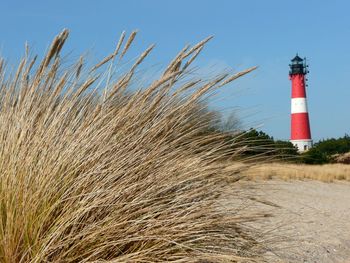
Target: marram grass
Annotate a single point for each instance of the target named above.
(102, 173)
(325, 173)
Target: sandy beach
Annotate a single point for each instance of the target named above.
(311, 221)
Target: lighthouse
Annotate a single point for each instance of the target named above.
(300, 124)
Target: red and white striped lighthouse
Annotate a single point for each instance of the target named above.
(300, 125)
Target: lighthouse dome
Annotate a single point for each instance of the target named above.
(297, 59)
(297, 66)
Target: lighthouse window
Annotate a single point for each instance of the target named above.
(305, 147)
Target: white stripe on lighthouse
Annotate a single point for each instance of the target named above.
(299, 105)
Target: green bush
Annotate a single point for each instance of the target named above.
(324, 150)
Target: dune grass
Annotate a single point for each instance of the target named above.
(92, 171)
(325, 173)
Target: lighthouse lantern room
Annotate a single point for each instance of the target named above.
(300, 124)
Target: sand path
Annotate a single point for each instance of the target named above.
(311, 222)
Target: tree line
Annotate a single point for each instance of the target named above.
(324, 151)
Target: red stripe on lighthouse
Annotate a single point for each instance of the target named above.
(300, 128)
(298, 86)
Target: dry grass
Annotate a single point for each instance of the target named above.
(325, 173)
(342, 158)
(114, 176)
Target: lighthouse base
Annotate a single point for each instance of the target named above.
(302, 145)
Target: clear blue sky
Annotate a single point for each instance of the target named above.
(247, 33)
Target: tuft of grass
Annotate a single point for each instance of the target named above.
(105, 173)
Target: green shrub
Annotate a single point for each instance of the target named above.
(322, 152)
